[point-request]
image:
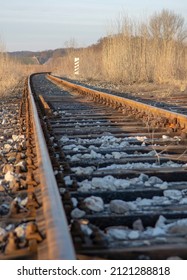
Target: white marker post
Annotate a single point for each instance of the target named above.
(76, 65)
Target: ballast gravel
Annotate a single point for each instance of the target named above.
(13, 166)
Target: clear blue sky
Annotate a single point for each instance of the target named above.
(48, 24)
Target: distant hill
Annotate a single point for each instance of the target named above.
(42, 57)
(29, 57)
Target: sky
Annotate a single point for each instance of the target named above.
(38, 25)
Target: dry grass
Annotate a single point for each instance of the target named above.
(152, 51)
(135, 53)
(12, 72)
(89, 66)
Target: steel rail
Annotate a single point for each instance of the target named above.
(95, 243)
(174, 120)
(59, 241)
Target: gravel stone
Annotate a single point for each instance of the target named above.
(74, 202)
(143, 177)
(77, 213)
(94, 203)
(173, 194)
(162, 186)
(97, 182)
(183, 201)
(179, 227)
(118, 233)
(7, 148)
(119, 206)
(10, 176)
(68, 180)
(4, 209)
(83, 170)
(15, 137)
(134, 234)
(20, 231)
(145, 202)
(153, 180)
(158, 231)
(161, 221)
(86, 229)
(138, 225)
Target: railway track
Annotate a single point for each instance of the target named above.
(118, 167)
(29, 222)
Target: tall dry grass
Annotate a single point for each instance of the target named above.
(152, 51)
(13, 73)
(10, 73)
(134, 52)
(90, 60)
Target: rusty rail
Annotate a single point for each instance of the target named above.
(149, 114)
(59, 242)
(83, 121)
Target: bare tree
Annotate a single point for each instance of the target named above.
(167, 26)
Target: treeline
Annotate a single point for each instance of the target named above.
(133, 52)
(40, 57)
